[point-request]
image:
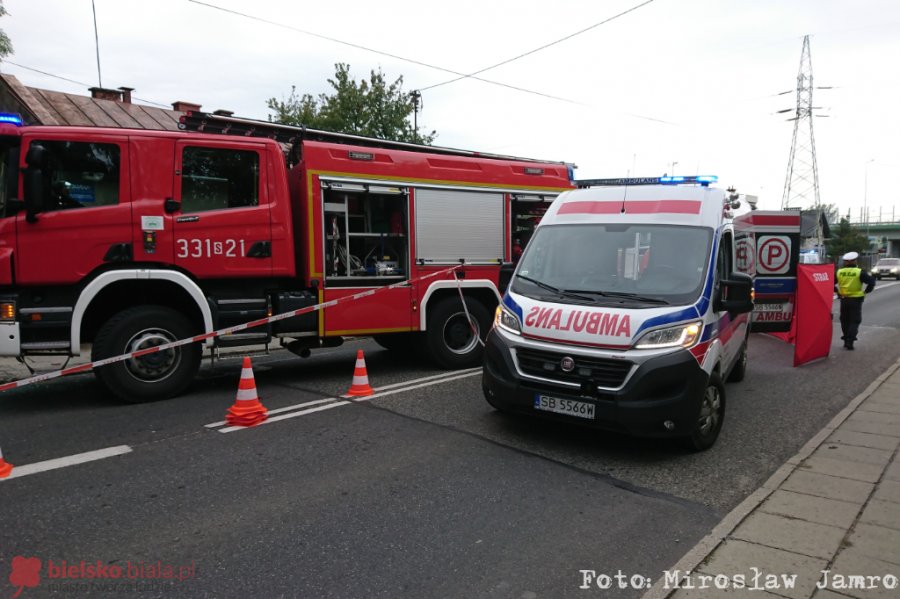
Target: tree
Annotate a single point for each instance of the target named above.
(6, 46)
(846, 239)
(371, 108)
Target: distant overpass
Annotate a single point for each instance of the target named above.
(882, 233)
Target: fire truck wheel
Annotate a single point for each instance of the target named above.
(712, 414)
(154, 376)
(451, 341)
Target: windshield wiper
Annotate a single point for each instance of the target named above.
(633, 296)
(540, 284)
(556, 290)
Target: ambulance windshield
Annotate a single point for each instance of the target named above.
(643, 264)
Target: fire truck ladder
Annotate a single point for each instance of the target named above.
(204, 122)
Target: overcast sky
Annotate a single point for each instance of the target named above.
(689, 82)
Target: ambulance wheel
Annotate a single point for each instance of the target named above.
(712, 414)
(740, 368)
(155, 376)
(450, 337)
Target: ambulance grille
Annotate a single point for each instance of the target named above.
(544, 364)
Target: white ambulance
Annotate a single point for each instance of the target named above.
(627, 311)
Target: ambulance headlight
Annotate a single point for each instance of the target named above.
(507, 321)
(682, 335)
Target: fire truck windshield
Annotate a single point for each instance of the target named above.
(614, 263)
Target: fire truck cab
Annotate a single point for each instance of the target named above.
(627, 311)
(130, 239)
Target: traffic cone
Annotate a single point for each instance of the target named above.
(5, 467)
(247, 410)
(360, 386)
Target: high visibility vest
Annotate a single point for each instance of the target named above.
(849, 283)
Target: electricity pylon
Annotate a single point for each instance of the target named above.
(801, 185)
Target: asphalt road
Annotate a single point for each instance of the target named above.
(424, 492)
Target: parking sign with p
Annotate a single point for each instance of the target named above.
(774, 254)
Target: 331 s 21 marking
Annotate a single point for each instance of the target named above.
(207, 248)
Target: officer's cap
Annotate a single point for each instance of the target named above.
(851, 256)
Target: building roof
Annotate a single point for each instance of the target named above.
(45, 107)
(808, 226)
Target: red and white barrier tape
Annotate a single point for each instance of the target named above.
(471, 320)
(212, 334)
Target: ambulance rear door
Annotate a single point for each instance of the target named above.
(771, 249)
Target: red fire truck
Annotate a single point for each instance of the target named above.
(130, 239)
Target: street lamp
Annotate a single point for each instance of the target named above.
(866, 199)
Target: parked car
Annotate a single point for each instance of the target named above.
(887, 267)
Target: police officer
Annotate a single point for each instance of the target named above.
(849, 286)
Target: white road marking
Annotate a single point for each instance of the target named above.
(280, 410)
(445, 375)
(231, 429)
(391, 390)
(877, 287)
(72, 460)
(411, 387)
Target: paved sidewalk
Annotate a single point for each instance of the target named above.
(832, 511)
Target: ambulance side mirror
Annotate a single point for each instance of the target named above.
(33, 183)
(735, 294)
(506, 272)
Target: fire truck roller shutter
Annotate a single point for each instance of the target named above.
(453, 225)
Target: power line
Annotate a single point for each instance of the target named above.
(544, 47)
(86, 85)
(380, 52)
(21, 66)
(424, 64)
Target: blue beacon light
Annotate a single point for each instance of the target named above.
(13, 119)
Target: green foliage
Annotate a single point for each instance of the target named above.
(846, 239)
(373, 108)
(6, 47)
(296, 110)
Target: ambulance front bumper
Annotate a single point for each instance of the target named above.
(660, 396)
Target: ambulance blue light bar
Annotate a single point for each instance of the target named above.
(11, 118)
(703, 180)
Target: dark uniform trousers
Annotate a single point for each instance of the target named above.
(851, 317)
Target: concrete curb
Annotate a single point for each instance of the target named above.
(702, 550)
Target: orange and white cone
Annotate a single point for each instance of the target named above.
(360, 386)
(247, 409)
(5, 467)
